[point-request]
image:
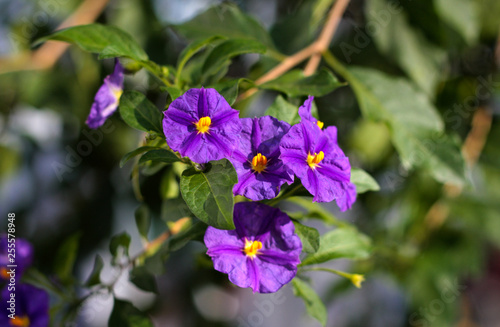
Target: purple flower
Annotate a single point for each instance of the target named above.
(346, 201)
(261, 253)
(23, 257)
(107, 98)
(314, 156)
(201, 125)
(305, 112)
(256, 159)
(31, 307)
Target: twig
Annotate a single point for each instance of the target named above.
(48, 54)
(317, 47)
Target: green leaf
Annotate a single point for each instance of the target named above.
(174, 92)
(363, 181)
(109, 41)
(66, 256)
(314, 306)
(159, 155)
(143, 279)
(209, 193)
(420, 59)
(342, 242)
(316, 210)
(229, 89)
(94, 277)
(295, 84)
(309, 237)
(283, 110)
(138, 112)
(417, 130)
(134, 153)
(225, 20)
(143, 220)
(227, 50)
(193, 48)
(124, 314)
(121, 240)
(461, 15)
(195, 232)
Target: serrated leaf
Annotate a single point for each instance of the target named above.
(66, 256)
(94, 277)
(344, 242)
(226, 20)
(462, 15)
(363, 181)
(309, 237)
(417, 130)
(295, 83)
(209, 193)
(121, 240)
(408, 47)
(143, 220)
(159, 155)
(109, 41)
(138, 112)
(227, 50)
(143, 279)
(314, 306)
(124, 314)
(134, 153)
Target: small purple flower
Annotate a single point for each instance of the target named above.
(305, 112)
(201, 125)
(107, 98)
(23, 257)
(314, 156)
(256, 159)
(31, 307)
(261, 253)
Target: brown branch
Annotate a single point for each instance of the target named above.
(48, 54)
(317, 47)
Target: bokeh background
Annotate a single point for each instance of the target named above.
(433, 265)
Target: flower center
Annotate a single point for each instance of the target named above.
(314, 160)
(320, 124)
(117, 93)
(259, 163)
(252, 248)
(203, 125)
(3, 273)
(20, 321)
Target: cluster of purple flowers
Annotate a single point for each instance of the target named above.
(23, 304)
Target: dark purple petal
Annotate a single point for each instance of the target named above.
(256, 136)
(273, 276)
(31, 302)
(180, 117)
(346, 201)
(305, 110)
(24, 256)
(224, 117)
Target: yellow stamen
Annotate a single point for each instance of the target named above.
(117, 93)
(3, 273)
(320, 124)
(22, 321)
(252, 248)
(203, 125)
(259, 163)
(314, 160)
(357, 279)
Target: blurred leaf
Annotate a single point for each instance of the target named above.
(340, 243)
(124, 314)
(283, 110)
(316, 210)
(416, 127)
(94, 277)
(225, 20)
(134, 153)
(194, 232)
(174, 92)
(159, 155)
(396, 39)
(294, 83)
(229, 89)
(462, 16)
(193, 48)
(109, 41)
(66, 256)
(309, 237)
(121, 240)
(138, 112)
(209, 193)
(143, 220)
(314, 306)
(143, 279)
(169, 187)
(363, 181)
(227, 50)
